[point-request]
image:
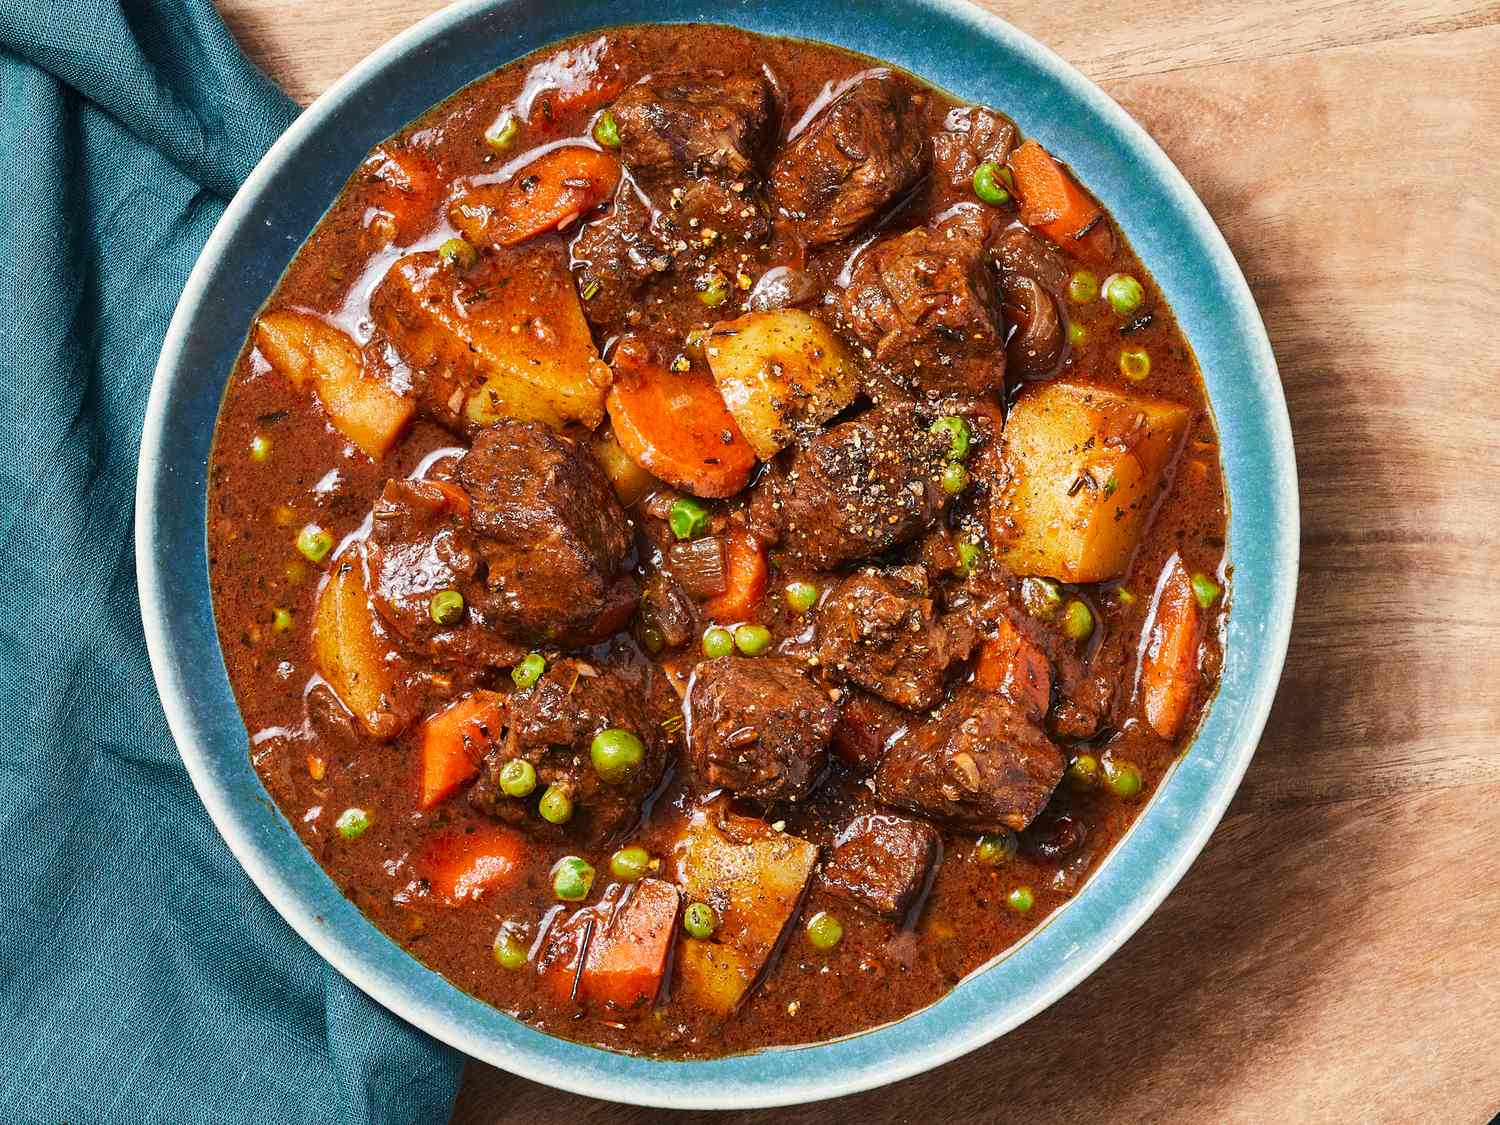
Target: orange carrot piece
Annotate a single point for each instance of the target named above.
(453, 742)
(1053, 202)
(563, 952)
(1169, 664)
(547, 194)
(462, 868)
(626, 960)
(408, 187)
(1011, 664)
(744, 578)
(676, 426)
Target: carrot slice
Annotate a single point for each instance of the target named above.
(1009, 663)
(1169, 659)
(408, 188)
(744, 578)
(462, 868)
(1053, 202)
(453, 742)
(547, 194)
(627, 959)
(563, 952)
(676, 426)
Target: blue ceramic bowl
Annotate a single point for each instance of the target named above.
(957, 47)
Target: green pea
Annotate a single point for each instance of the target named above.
(260, 447)
(556, 806)
(529, 671)
(1021, 899)
(801, 596)
(989, 185)
(1042, 597)
(1078, 335)
(1083, 772)
(510, 951)
(352, 823)
(752, 640)
(956, 430)
(313, 543)
(699, 920)
(687, 518)
(630, 863)
(518, 778)
(502, 133)
(281, 619)
(1206, 590)
(446, 607)
(955, 478)
(1135, 364)
(607, 130)
(998, 849)
(824, 930)
(1083, 287)
(1124, 293)
(714, 291)
(571, 878)
(1078, 620)
(717, 642)
(458, 252)
(969, 553)
(616, 754)
(1123, 778)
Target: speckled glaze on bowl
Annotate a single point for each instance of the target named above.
(953, 45)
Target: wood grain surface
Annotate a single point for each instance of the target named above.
(1335, 953)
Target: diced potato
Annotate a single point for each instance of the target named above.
(305, 350)
(506, 339)
(351, 652)
(630, 480)
(754, 878)
(780, 372)
(1085, 468)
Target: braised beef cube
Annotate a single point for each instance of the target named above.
(616, 256)
(981, 765)
(925, 307)
(883, 862)
(668, 618)
(552, 535)
(552, 725)
(879, 630)
(759, 728)
(867, 725)
(972, 135)
(854, 159)
(1033, 282)
(857, 489)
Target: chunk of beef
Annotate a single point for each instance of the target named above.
(693, 142)
(759, 728)
(616, 256)
(1033, 280)
(857, 489)
(879, 630)
(972, 135)
(981, 765)
(883, 862)
(867, 725)
(925, 307)
(668, 617)
(855, 158)
(553, 536)
(552, 724)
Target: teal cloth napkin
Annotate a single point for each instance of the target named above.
(143, 979)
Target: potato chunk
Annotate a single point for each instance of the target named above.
(780, 372)
(1085, 466)
(505, 339)
(305, 350)
(754, 878)
(352, 653)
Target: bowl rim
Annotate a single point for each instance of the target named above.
(661, 1082)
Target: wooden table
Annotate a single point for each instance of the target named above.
(1335, 953)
